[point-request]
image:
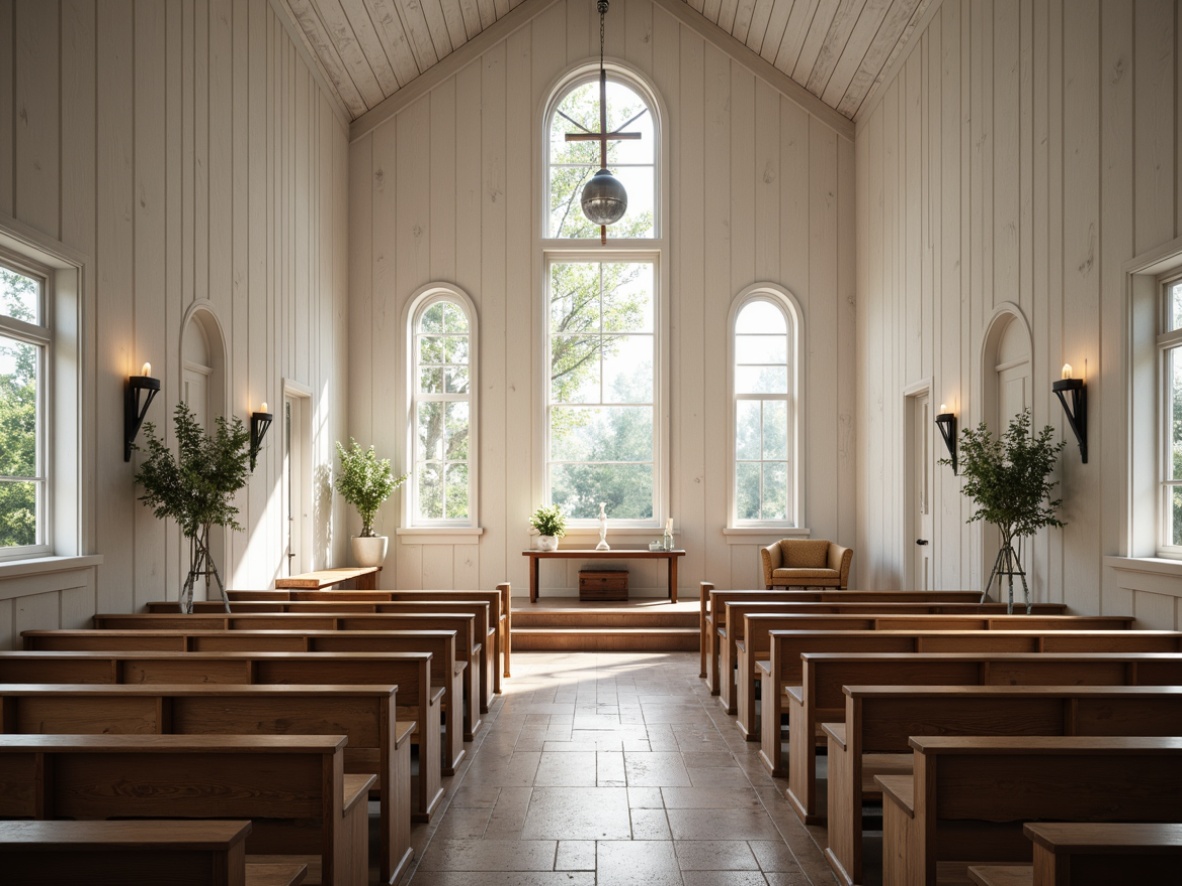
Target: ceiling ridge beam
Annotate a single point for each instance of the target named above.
(449, 66)
(759, 66)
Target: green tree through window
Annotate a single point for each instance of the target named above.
(19, 361)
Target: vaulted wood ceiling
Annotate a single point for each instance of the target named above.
(367, 50)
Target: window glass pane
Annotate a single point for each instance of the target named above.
(430, 430)
(457, 380)
(574, 362)
(775, 429)
(431, 349)
(454, 320)
(761, 349)
(457, 492)
(20, 296)
(628, 369)
(747, 429)
(432, 319)
(761, 379)
(760, 318)
(18, 454)
(431, 381)
(579, 488)
(430, 490)
(1175, 305)
(627, 297)
(455, 348)
(1174, 363)
(574, 297)
(747, 491)
(18, 514)
(457, 431)
(601, 433)
(775, 491)
(1174, 535)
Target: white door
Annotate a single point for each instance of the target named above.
(297, 498)
(919, 491)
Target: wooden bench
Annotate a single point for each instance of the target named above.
(293, 788)
(378, 744)
(500, 606)
(707, 604)
(785, 667)
(362, 578)
(484, 611)
(448, 674)
(410, 671)
(427, 615)
(1091, 853)
(970, 796)
(873, 737)
(117, 853)
(730, 633)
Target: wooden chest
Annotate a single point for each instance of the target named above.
(603, 584)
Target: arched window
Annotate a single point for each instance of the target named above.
(764, 335)
(442, 406)
(605, 434)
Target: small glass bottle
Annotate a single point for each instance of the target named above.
(667, 541)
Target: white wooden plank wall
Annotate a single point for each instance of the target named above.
(1050, 139)
(448, 189)
(184, 148)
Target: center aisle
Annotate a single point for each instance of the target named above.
(613, 769)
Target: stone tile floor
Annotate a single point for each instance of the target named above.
(613, 769)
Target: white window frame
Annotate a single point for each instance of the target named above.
(40, 336)
(654, 248)
(68, 465)
(412, 519)
(787, 304)
(1167, 341)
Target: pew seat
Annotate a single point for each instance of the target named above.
(116, 853)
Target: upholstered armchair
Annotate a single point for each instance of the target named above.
(806, 563)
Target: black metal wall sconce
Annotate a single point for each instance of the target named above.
(946, 422)
(259, 423)
(133, 409)
(1077, 410)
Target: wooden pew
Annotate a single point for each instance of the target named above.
(293, 788)
(784, 668)
(410, 671)
(476, 650)
(707, 605)
(970, 796)
(730, 632)
(481, 610)
(873, 734)
(378, 744)
(500, 605)
(1090, 853)
(447, 675)
(117, 853)
(362, 577)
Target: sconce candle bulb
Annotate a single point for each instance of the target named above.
(146, 370)
(1066, 371)
(134, 410)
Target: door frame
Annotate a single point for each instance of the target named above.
(300, 396)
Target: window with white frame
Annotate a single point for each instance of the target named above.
(442, 381)
(1169, 343)
(764, 479)
(25, 343)
(604, 431)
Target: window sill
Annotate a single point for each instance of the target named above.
(452, 535)
(1146, 565)
(745, 535)
(47, 565)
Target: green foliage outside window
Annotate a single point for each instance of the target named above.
(18, 417)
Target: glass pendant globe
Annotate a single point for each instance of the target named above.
(604, 199)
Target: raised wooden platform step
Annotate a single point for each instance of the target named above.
(639, 625)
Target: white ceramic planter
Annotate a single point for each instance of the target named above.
(547, 542)
(370, 550)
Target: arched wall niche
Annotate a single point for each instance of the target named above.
(203, 363)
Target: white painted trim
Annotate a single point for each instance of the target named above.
(911, 393)
(1147, 566)
(46, 565)
(424, 535)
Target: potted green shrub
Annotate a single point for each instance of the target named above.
(196, 487)
(1008, 477)
(550, 523)
(365, 482)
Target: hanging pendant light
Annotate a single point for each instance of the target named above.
(604, 198)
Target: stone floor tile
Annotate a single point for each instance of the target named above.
(637, 863)
(569, 769)
(650, 824)
(715, 855)
(774, 855)
(508, 815)
(655, 769)
(725, 797)
(789, 879)
(645, 798)
(577, 814)
(609, 769)
(489, 855)
(722, 878)
(575, 855)
(721, 824)
(514, 878)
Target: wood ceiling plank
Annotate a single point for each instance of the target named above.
(834, 46)
(488, 13)
(344, 38)
(760, 16)
(894, 34)
(416, 23)
(777, 24)
(726, 16)
(453, 16)
(862, 38)
(795, 32)
(471, 15)
(827, 13)
(710, 9)
(743, 14)
(322, 48)
(382, 51)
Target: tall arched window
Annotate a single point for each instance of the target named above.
(765, 330)
(605, 437)
(442, 407)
